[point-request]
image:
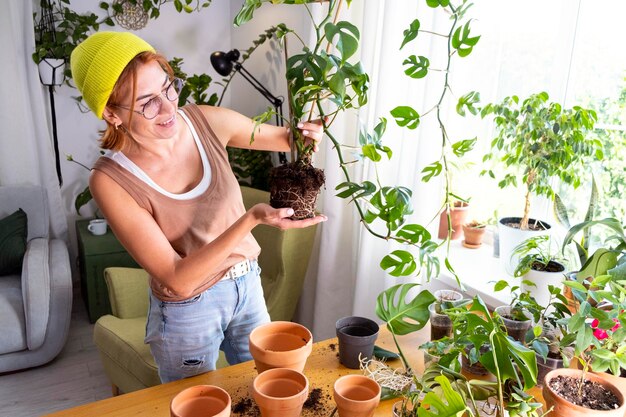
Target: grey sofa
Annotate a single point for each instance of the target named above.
(36, 306)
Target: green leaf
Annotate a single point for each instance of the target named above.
(404, 317)
(500, 285)
(462, 41)
(411, 32)
(406, 116)
(432, 170)
(81, 199)
(399, 263)
(380, 353)
(468, 102)
(417, 66)
(454, 405)
(369, 151)
(414, 233)
(348, 41)
(461, 147)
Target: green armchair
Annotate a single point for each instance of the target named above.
(119, 336)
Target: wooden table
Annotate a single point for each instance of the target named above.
(322, 369)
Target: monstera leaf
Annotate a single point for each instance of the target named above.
(454, 406)
(404, 317)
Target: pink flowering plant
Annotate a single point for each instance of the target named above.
(598, 329)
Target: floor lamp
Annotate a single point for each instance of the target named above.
(225, 62)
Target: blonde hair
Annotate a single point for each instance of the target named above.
(116, 139)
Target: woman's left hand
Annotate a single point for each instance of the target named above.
(313, 131)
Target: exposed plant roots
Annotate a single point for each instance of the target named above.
(387, 377)
(296, 185)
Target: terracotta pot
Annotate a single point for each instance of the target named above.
(517, 329)
(473, 236)
(458, 214)
(356, 396)
(564, 408)
(281, 344)
(356, 336)
(618, 381)
(201, 401)
(280, 392)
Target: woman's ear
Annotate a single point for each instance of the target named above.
(111, 117)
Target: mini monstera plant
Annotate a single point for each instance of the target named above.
(322, 82)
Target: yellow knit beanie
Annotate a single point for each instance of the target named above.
(98, 62)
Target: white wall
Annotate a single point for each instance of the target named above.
(192, 37)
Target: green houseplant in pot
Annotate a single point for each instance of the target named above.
(599, 338)
(513, 365)
(539, 267)
(537, 141)
(473, 233)
(321, 83)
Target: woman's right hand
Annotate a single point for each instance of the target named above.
(279, 218)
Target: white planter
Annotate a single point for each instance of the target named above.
(510, 237)
(51, 71)
(542, 279)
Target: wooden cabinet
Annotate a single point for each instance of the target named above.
(95, 253)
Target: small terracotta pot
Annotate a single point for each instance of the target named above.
(280, 344)
(564, 408)
(473, 236)
(201, 401)
(458, 214)
(356, 396)
(280, 392)
(356, 336)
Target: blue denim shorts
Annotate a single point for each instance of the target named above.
(186, 336)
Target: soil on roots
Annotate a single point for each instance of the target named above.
(593, 395)
(296, 185)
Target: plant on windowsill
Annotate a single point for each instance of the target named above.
(539, 267)
(473, 233)
(538, 141)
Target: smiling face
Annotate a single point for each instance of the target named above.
(143, 88)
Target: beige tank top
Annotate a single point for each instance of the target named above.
(191, 223)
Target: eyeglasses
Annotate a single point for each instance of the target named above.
(152, 108)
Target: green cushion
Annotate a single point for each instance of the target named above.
(13, 231)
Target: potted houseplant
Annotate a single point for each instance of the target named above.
(599, 339)
(473, 233)
(603, 260)
(452, 218)
(316, 79)
(513, 365)
(537, 140)
(539, 267)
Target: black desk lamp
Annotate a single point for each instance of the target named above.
(225, 62)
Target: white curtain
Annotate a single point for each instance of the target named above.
(26, 154)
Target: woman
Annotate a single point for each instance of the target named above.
(168, 193)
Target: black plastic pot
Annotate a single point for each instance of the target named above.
(357, 336)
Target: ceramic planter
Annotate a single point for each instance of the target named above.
(458, 214)
(280, 392)
(510, 237)
(356, 396)
(473, 236)
(542, 279)
(517, 329)
(280, 344)
(564, 408)
(356, 336)
(546, 365)
(201, 401)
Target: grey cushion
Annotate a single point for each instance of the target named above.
(36, 291)
(11, 315)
